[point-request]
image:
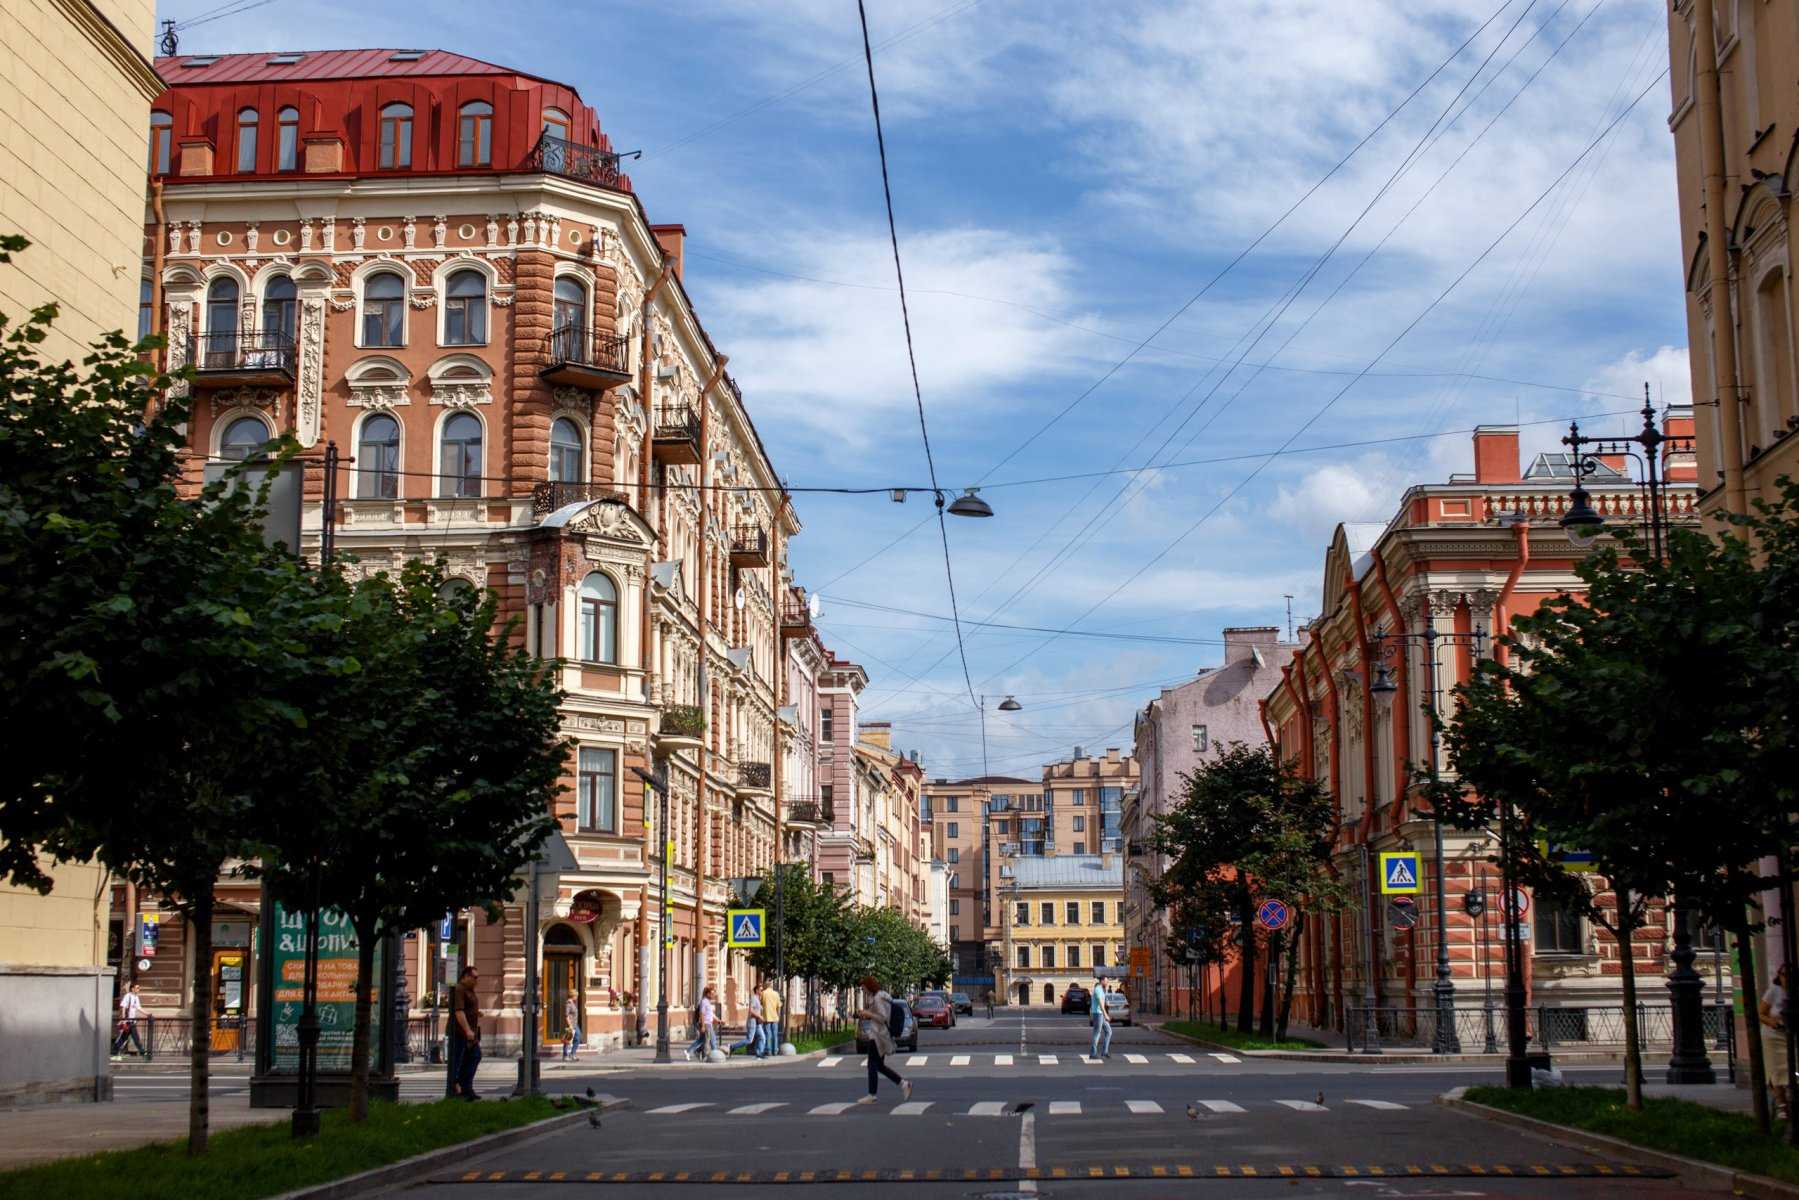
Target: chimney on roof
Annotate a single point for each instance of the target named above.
(1679, 466)
(673, 240)
(1078, 754)
(1496, 454)
(1241, 642)
(876, 733)
(1111, 754)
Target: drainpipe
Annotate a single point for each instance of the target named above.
(703, 840)
(156, 259)
(1729, 399)
(1262, 712)
(1502, 616)
(1370, 809)
(1402, 699)
(644, 465)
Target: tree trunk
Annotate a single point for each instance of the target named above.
(199, 923)
(1246, 997)
(1758, 1068)
(1265, 1027)
(359, 1040)
(1280, 1029)
(1633, 1041)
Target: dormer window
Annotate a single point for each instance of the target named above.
(247, 121)
(287, 143)
(396, 137)
(162, 131)
(474, 135)
(555, 123)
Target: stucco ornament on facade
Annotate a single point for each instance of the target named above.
(225, 399)
(193, 237)
(311, 388)
(181, 327)
(460, 394)
(174, 237)
(251, 235)
(440, 230)
(358, 232)
(328, 233)
(305, 234)
(409, 232)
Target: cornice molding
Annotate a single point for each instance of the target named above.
(112, 42)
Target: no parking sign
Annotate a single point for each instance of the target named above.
(1273, 914)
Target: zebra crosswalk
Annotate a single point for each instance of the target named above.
(1000, 1108)
(1041, 1058)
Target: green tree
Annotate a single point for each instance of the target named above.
(426, 780)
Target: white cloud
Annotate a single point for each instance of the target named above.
(1665, 370)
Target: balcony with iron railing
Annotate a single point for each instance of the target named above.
(548, 497)
(749, 546)
(807, 812)
(250, 358)
(675, 435)
(571, 160)
(585, 356)
(755, 777)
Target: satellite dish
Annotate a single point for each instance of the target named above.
(814, 607)
(738, 599)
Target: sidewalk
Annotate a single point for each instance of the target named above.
(1334, 1048)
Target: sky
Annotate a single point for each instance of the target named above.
(1241, 251)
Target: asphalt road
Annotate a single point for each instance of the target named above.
(993, 1100)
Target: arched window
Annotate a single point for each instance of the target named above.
(378, 458)
(555, 123)
(384, 310)
(1049, 993)
(146, 308)
(453, 591)
(243, 438)
(461, 458)
(396, 136)
(568, 322)
(599, 619)
(465, 309)
(565, 451)
(474, 135)
(247, 120)
(220, 349)
(162, 134)
(280, 311)
(287, 142)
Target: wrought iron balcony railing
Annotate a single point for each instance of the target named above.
(754, 775)
(749, 546)
(805, 812)
(548, 497)
(683, 720)
(250, 352)
(590, 348)
(559, 156)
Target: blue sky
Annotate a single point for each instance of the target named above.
(1067, 176)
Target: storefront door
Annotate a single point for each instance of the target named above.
(561, 980)
(228, 999)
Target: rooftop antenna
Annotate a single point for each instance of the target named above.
(170, 44)
(1289, 596)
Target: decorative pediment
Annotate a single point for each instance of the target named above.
(225, 399)
(614, 521)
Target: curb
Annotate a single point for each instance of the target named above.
(1742, 1183)
(407, 1169)
(1581, 1058)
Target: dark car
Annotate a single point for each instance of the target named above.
(908, 1038)
(934, 1009)
(1077, 999)
(962, 1002)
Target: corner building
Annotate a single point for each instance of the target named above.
(434, 264)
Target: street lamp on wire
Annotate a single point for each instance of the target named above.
(1444, 1040)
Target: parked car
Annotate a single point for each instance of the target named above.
(962, 1002)
(1077, 999)
(908, 1038)
(1118, 1007)
(934, 1009)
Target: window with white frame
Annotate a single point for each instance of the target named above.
(598, 793)
(287, 140)
(280, 311)
(247, 122)
(599, 618)
(465, 309)
(474, 134)
(384, 309)
(565, 451)
(396, 136)
(460, 466)
(243, 438)
(378, 458)
(1201, 740)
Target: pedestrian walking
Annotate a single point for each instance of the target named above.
(571, 1017)
(1102, 1023)
(131, 1010)
(990, 1004)
(1772, 1014)
(752, 1028)
(876, 1028)
(465, 1035)
(771, 1021)
(705, 1019)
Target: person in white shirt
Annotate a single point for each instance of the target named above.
(752, 1028)
(131, 1009)
(706, 1017)
(1773, 1015)
(1102, 1023)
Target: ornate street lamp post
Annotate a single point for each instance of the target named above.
(1688, 1063)
(658, 783)
(1444, 1040)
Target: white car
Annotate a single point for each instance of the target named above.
(1118, 1007)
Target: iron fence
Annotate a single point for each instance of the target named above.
(1550, 1027)
(587, 346)
(560, 156)
(173, 1038)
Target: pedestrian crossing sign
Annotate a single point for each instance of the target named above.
(745, 927)
(1399, 873)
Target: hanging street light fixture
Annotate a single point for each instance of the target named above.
(968, 504)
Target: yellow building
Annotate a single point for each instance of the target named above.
(1061, 920)
(75, 90)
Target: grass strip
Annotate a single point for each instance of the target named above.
(824, 1039)
(1237, 1041)
(1665, 1123)
(264, 1160)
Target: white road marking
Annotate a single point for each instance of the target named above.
(1383, 1105)
(1091, 1061)
(831, 1110)
(1138, 1059)
(669, 1110)
(1302, 1106)
(1227, 1058)
(988, 1108)
(1064, 1108)
(1027, 1152)
(829, 1062)
(958, 1060)
(1222, 1106)
(752, 1110)
(1002, 1060)
(911, 1108)
(1182, 1058)
(1143, 1108)
(918, 1060)
(1048, 1060)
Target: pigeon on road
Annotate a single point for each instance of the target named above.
(1192, 1112)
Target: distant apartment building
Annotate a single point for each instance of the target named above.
(961, 836)
(845, 841)
(1060, 924)
(1176, 732)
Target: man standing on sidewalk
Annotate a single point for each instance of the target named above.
(465, 1035)
(752, 1029)
(131, 1008)
(771, 1020)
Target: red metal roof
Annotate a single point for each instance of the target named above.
(321, 64)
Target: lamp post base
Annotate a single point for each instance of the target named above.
(1444, 1040)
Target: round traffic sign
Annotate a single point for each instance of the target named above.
(1272, 914)
(1402, 912)
(1517, 904)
